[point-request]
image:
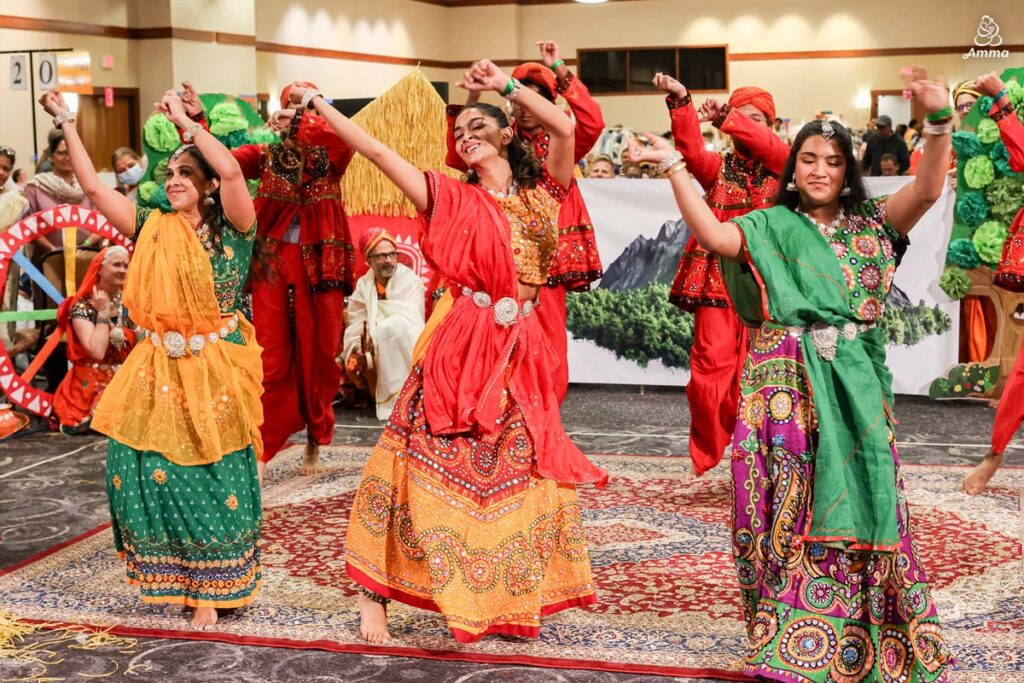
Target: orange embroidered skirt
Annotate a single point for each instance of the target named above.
(464, 526)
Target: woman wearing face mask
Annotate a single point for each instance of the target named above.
(463, 485)
(128, 166)
(183, 413)
(831, 582)
(99, 339)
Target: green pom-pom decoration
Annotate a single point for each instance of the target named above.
(146, 191)
(264, 136)
(988, 240)
(955, 282)
(984, 104)
(226, 118)
(966, 144)
(234, 139)
(963, 254)
(160, 170)
(987, 131)
(160, 134)
(1015, 92)
(253, 186)
(1000, 156)
(979, 172)
(159, 200)
(1004, 197)
(971, 207)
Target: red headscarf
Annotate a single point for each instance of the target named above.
(371, 237)
(92, 276)
(762, 99)
(285, 100)
(538, 74)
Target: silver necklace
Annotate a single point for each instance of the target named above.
(117, 337)
(512, 191)
(826, 229)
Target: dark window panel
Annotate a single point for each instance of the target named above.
(604, 70)
(643, 64)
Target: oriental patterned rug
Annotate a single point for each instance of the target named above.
(668, 602)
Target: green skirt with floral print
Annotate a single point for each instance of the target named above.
(188, 535)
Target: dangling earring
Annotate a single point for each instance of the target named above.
(791, 185)
(209, 201)
(845, 192)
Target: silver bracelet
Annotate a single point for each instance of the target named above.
(189, 135)
(938, 128)
(62, 118)
(668, 162)
(307, 99)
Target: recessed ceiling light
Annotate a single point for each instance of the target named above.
(591, 2)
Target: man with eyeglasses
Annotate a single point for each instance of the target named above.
(383, 318)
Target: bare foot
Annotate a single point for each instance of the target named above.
(311, 462)
(373, 620)
(204, 618)
(261, 468)
(978, 479)
(993, 403)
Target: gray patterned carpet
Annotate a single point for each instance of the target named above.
(51, 489)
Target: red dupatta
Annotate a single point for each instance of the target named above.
(471, 359)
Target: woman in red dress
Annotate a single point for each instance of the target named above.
(99, 339)
(468, 502)
(1009, 275)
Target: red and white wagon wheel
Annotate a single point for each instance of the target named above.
(69, 218)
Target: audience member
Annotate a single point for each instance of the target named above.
(384, 317)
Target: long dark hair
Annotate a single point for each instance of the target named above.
(526, 168)
(853, 179)
(213, 216)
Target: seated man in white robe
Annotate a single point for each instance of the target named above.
(383, 319)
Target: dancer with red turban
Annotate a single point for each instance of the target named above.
(298, 309)
(734, 183)
(577, 262)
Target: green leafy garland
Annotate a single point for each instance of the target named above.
(988, 192)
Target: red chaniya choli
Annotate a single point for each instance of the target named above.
(577, 262)
(734, 183)
(474, 477)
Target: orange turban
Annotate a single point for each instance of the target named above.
(288, 88)
(540, 75)
(762, 99)
(371, 237)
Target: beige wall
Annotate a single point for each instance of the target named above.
(18, 106)
(397, 28)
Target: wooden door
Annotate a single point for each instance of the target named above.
(104, 129)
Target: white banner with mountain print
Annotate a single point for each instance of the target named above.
(625, 331)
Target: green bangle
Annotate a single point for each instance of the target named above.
(509, 87)
(941, 114)
(999, 95)
(560, 62)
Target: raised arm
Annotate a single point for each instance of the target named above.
(721, 239)
(906, 206)
(234, 193)
(407, 177)
(485, 75)
(117, 208)
(1011, 130)
(249, 157)
(585, 109)
(701, 163)
(762, 143)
